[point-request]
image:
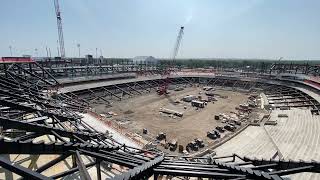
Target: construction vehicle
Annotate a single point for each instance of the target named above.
(163, 88)
(220, 129)
(213, 134)
(173, 145)
(198, 104)
(192, 146)
(199, 142)
(230, 127)
(145, 131)
(161, 136)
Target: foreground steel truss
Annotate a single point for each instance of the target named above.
(36, 123)
(232, 167)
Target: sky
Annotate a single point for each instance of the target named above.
(267, 29)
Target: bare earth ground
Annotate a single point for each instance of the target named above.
(143, 112)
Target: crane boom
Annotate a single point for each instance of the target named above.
(177, 44)
(163, 88)
(60, 31)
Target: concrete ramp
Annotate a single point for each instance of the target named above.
(102, 127)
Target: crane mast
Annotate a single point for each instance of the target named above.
(60, 31)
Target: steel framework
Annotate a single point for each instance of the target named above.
(279, 96)
(81, 67)
(37, 122)
(294, 68)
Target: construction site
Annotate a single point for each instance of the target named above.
(147, 118)
(172, 114)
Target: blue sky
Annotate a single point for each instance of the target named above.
(128, 28)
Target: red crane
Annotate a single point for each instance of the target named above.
(163, 88)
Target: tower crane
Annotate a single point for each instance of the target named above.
(60, 31)
(163, 88)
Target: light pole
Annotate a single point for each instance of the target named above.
(10, 47)
(50, 52)
(78, 45)
(58, 48)
(36, 52)
(47, 51)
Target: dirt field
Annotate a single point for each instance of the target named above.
(143, 112)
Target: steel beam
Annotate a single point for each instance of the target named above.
(20, 170)
(202, 174)
(13, 124)
(111, 159)
(71, 171)
(82, 168)
(52, 162)
(49, 148)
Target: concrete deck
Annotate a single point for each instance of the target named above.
(252, 142)
(310, 93)
(297, 137)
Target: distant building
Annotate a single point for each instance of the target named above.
(88, 56)
(145, 59)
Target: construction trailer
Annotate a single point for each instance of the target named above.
(198, 104)
(189, 98)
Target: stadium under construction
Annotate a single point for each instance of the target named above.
(51, 127)
(147, 118)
